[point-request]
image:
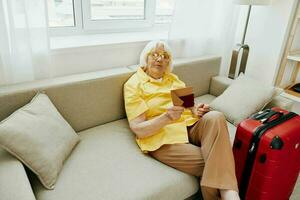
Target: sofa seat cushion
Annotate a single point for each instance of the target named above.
(108, 164)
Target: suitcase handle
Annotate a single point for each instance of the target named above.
(270, 115)
(260, 114)
(266, 114)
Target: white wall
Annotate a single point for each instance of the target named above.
(93, 58)
(266, 35)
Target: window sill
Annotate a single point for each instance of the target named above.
(88, 40)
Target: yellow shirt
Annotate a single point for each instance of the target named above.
(142, 93)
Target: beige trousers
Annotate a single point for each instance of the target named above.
(207, 155)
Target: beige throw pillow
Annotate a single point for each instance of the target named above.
(242, 98)
(40, 137)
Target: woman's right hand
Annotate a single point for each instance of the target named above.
(174, 112)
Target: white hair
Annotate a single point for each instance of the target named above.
(152, 45)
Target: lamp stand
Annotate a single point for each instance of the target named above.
(240, 49)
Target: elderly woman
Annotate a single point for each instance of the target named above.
(193, 140)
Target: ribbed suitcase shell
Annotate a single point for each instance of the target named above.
(274, 171)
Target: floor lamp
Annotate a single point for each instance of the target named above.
(242, 48)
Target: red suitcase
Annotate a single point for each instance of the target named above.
(267, 155)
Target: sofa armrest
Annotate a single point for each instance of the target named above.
(218, 84)
(282, 102)
(14, 183)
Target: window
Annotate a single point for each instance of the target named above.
(115, 10)
(164, 11)
(60, 13)
(80, 16)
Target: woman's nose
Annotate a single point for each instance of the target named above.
(158, 58)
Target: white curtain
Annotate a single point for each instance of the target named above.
(24, 44)
(205, 27)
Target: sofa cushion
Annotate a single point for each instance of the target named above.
(218, 85)
(107, 164)
(40, 137)
(242, 98)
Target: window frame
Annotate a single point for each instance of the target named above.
(118, 24)
(84, 25)
(70, 30)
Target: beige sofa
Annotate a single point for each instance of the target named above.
(107, 163)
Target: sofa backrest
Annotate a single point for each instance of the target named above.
(197, 72)
(90, 99)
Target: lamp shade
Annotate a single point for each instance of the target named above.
(252, 2)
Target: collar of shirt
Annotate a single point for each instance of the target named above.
(145, 77)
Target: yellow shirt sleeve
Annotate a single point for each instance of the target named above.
(134, 104)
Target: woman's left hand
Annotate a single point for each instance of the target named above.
(200, 109)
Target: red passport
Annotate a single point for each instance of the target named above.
(183, 97)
